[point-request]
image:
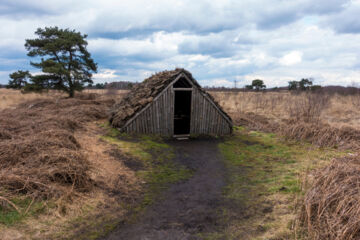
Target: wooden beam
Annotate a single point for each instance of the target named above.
(182, 89)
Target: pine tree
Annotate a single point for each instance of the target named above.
(65, 62)
(18, 79)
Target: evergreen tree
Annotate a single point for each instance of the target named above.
(18, 79)
(65, 62)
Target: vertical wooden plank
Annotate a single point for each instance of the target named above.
(150, 120)
(171, 116)
(210, 119)
(206, 118)
(135, 126)
(166, 116)
(141, 119)
(203, 120)
(200, 105)
(221, 127)
(198, 108)
(146, 121)
(216, 119)
(138, 125)
(192, 112)
(172, 110)
(162, 122)
(205, 126)
(157, 116)
(166, 125)
(168, 111)
(218, 124)
(143, 123)
(195, 108)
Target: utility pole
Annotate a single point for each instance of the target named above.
(235, 83)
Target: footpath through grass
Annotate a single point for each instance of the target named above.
(158, 171)
(266, 181)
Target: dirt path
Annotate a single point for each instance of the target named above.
(186, 208)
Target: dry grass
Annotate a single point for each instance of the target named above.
(336, 110)
(51, 153)
(331, 208)
(10, 98)
(322, 119)
(39, 154)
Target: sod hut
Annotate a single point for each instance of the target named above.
(170, 103)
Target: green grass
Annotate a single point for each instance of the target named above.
(262, 167)
(9, 216)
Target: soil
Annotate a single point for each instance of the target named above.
(186, 208)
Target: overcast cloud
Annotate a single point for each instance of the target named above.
(219, 41)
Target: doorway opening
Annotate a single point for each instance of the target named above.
(182, 112)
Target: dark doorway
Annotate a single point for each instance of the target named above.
(182, 111)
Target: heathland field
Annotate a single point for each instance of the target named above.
(289, 171)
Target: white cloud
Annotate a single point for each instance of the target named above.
(105, 75)
(217, 40)
(220, 82)
(291, 58)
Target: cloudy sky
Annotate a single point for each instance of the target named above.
(219, 41)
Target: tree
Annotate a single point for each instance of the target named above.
(65, 61)
(249, 87)
(293, 85)
(305, 84)
(18, 79)
(258, 84)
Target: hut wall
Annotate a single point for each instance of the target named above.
(157, 118)
(206, 118)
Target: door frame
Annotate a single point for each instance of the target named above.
(173, 111)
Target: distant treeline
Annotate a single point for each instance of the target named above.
(113, 85)
(326, 89)
(294, 86)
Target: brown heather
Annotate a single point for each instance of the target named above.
(39, 154)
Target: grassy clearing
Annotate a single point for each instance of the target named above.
(266, 179)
